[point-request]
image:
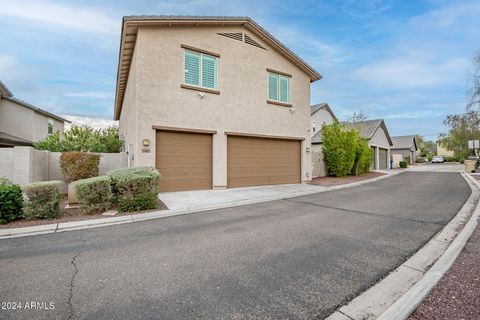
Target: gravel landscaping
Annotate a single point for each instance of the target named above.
(334, 181)
(71, 214)
(457, 295)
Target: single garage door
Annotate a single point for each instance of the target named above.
(262, 161)
(383, 159)
(184, 160)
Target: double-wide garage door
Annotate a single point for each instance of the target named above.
(253, 161)
(184, 160)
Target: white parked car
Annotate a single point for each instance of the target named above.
(438, 159)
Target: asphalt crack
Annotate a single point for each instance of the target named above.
(72, 286)
(365, 213)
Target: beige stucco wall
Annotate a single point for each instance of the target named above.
(240, 107)
(319, 168)
(380, 140)
(24, 122)
(404, 153)
(6, 163)
(320, 118)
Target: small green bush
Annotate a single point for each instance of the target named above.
(94, 194)
(452, 159)
(11, 201)
(135, 188)
(43, 200)
(79, 165)
(403, 164)
(430, 157)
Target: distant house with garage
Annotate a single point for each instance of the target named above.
(213, 102)
(406, 146)
(22, 124)
(378, 139)
(320, 114)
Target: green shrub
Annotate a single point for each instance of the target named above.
(94, 194)
(403, 164)
(82, 138)
(11, 201)
(79, 165)
(430, 157)
(339, 149)
(452, 159)
(43, 200)
(135, 188)
(365, 156)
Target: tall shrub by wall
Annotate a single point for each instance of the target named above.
(339, 149)
(79, 165)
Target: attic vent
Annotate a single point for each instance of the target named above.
(240, 36)
(252, 42)
(233, 35)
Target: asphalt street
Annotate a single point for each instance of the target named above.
(297, 258)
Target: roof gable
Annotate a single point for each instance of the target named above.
(404, 142)
(322, 106)
(368, 128)
(130, 30)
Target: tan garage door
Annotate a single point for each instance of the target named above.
(262, 161)
(382, 160)
(184, 160)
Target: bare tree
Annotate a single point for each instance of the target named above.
(357, 117)
(475, 90)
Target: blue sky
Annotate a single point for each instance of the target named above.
(408, 62)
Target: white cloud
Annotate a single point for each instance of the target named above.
(95, 122)
(408, 72)
(62, 15)
(90, 94)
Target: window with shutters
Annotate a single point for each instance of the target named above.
(200, 69)
(278, 87)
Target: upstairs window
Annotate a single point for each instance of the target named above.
(200, 69)
(278, 87)
(50, 126)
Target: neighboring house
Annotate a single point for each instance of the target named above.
(22, 124)
(320, 114)
(406, 146)
(213, 102)
(442, 151)
(378, 139)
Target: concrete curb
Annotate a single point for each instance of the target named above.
(399, 294)
(103, 222)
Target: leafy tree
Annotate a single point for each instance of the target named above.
(357, 117)
(83, 138)
(462, 127)
(425, 147)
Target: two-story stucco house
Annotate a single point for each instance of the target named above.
(22, 124)
(213, 102)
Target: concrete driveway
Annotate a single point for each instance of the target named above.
(288, 259)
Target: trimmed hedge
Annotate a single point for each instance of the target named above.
(94, 194)
(43, 200)
(403, 164)
(11, 201)
(79, 165)
(339, 149)
(135, 188)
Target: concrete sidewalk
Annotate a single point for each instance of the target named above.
(201, 198)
